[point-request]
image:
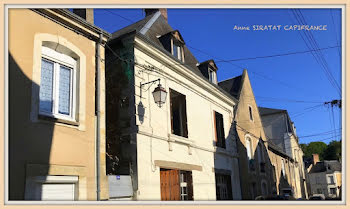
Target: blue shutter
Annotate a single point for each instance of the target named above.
(64, 90)
(46, 86)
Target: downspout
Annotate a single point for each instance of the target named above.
(98, 112)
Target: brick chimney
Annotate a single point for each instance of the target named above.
(86, 14)
(163, 12)
(315, 158)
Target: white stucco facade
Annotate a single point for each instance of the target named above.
(157, 146)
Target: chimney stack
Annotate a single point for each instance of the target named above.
(86, 14)
(315, 159)
(163, 12)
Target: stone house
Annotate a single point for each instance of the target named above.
(281, 131)
(180, 148)
(53, 93)
(252, 146)
(325, 178)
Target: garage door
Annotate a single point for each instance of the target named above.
(57, 191)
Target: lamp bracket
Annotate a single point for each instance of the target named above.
(150, 82)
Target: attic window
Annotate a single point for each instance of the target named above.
(250, 113)
(177, 50)
(212, 75)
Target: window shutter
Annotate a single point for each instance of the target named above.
(215, 131)
(189, 185)
(171, 112)
(174, 185)
(184, 116)
(223, 141)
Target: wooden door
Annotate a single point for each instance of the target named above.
(169, 184)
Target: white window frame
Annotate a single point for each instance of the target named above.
(329, 179)
(59, 59)
(283, 168)
(180, 52)
(183, 187)
(212, 75)
(249, 154)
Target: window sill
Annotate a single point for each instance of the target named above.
(180, 139)
(58, 120)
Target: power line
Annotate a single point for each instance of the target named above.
(203, 52)
(289, 100)
(319, 134)
(278, 55)
(306, 110)
(312, 45)
(335, 31)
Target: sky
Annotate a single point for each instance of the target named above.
(299, 82)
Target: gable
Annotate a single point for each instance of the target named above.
(246, 102)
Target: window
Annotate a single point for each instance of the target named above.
(263, 188)
(185, 178)
(223, 187)
(319, 191)
(333, 191)
(177, 51)
(250, 113)
(178, 114)
(176, 184)
(212, 76)
(253, 191)
(261, 156)
(219, 129)
(57, 85)
(248, 147)
(283, 168)
(274, 177)
(330, 180)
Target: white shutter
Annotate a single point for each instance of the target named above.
(57, 192)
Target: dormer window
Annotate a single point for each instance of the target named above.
(208, 69)
(177, 50)
(212, 76)
(174, 43)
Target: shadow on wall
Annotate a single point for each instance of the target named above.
(29, 142)
(257, 173)
(284, 186)
(121, 150)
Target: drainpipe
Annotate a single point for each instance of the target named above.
(97, 109)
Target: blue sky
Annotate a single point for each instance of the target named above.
(297, 83)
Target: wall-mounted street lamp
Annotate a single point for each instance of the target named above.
(159, 93)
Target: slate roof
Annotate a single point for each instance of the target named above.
(232, 86)
(269, 111)
(158, 28)
(273, 146)
(326, 166)
(150, 29)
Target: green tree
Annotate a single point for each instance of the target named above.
(314, 148)
(333, 151)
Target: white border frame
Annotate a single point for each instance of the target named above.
(239, 202)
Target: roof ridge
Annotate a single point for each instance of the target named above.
(150, 22)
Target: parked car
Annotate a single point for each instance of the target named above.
(273, 197)
(317, 197)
